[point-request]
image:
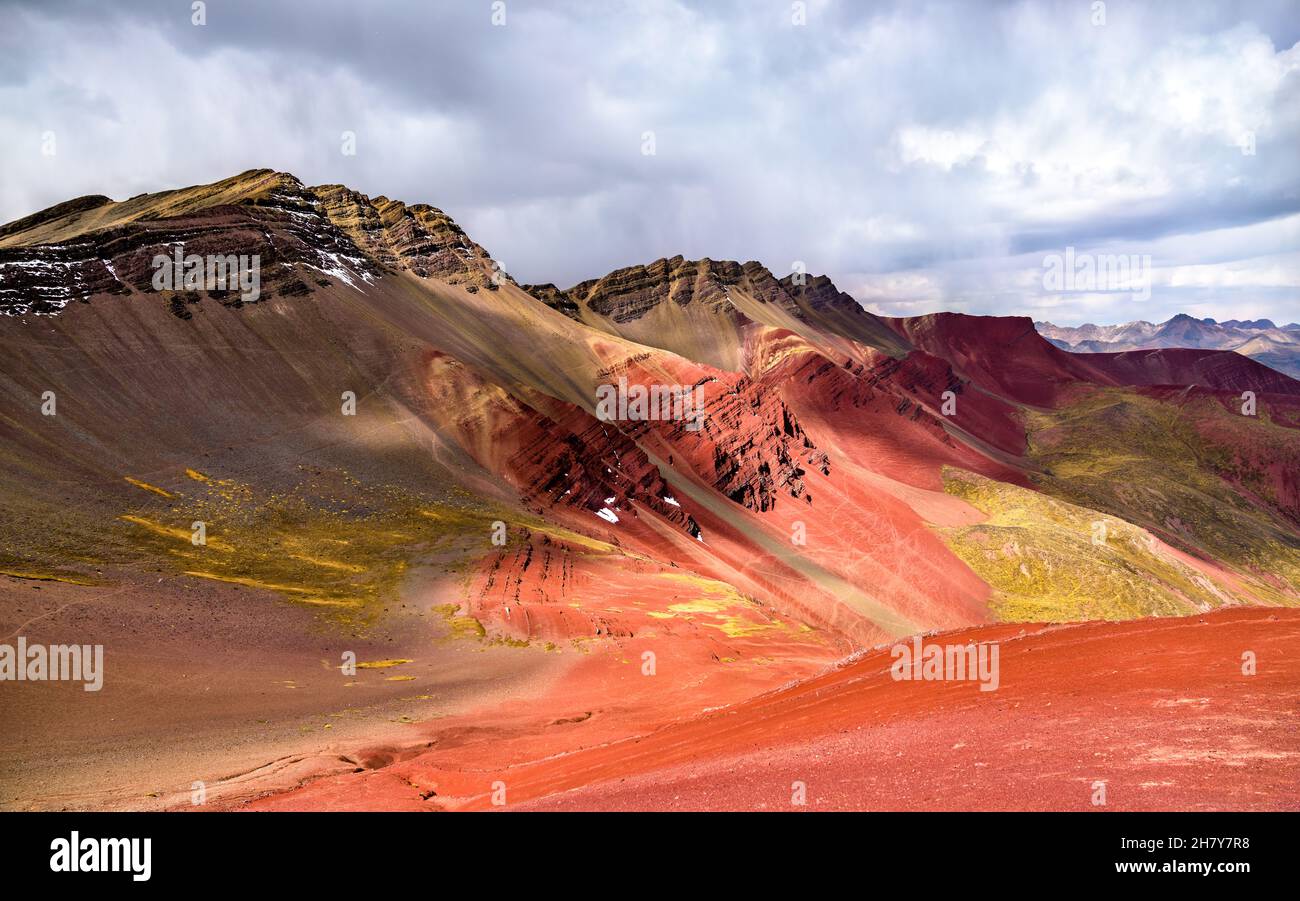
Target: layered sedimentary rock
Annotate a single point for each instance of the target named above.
(302, 238)
(419, 238)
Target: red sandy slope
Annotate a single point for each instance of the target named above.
(1159, 710)
(1007, 356)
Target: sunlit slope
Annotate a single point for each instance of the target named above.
(1049, 560)
(85, 215)
(1195, 471)
(712, 311)
(1143, 506)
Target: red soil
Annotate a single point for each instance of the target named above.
(1006, 355)
(1157, 709)
(1221, 369)
(1001, 354)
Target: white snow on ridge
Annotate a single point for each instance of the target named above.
(607, 514)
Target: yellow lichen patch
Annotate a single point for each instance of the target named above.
(400, 679)
(329, 564)
(1049, 560)
(572, 537)
(460, 626)
(1191, 472)
(459, 519)
(329, 542)
(147, 487)
(244, 580)
(530, 523)
(700, 605)
(708, 586)
(507, 641)
(196, 475)
(174, 532)
(381, 664)
(330, 602)
(720, 606)
(734, 627)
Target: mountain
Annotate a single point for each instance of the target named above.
(380, 495)
(1259, 339)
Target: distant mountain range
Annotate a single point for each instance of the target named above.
(1277, 346)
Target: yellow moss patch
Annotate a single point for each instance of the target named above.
(329, 542)
(251, 583)
(720, 606)
(572, 537)
(330, 602)
(461, 626)
(1049, 560)
(173, 532)
(700, 605)
(1176, 469)
(329, 564)
(147, 487)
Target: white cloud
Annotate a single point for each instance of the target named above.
(926, 156)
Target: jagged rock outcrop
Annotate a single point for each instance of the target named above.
(629, 293)
(70, 253)
(420, 238)
(760, 451)
(704, 309)
(303, 237)
(556, 299)
(818, 292)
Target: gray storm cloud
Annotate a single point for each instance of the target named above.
(926, 156)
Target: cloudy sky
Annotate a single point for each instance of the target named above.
(925, 155)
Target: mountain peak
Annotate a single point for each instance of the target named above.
(303, 237)
(629, 293)
(1259, 339)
